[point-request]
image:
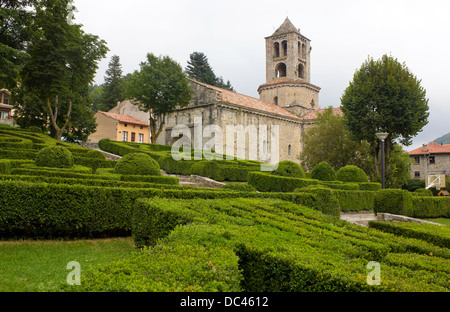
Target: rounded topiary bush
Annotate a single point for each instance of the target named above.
(287, 168)
(55, 157)
(137, 164)
(95, 154)
(351, 173)
(423, 192)
(324, 172)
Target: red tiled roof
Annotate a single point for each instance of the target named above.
(231, 97)
(431, 148)
(124, 119)
(313, 115)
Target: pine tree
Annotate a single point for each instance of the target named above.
(112, 88)
(199, 69)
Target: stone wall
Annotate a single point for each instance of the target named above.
(441, 165)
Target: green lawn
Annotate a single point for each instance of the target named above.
(30, 266)
(444, 221)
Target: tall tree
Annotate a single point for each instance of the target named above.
(384, 96)
(159, 87)
(15, 32)
(328, 140)
(113, 90)
(62, 62)
(199, 69)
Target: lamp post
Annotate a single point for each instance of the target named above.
(382, 136)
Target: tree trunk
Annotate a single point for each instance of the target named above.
(54, 116)
(154, 125)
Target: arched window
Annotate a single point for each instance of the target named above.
(313, 104)
(290, 150)
(280, 70)
(276, 49)
(275, 100)
(284, 47)
(301, 71)
(304, 51)
(299, 49)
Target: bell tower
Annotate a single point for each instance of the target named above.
(288, 71)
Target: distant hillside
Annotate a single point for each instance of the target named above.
(445, 139)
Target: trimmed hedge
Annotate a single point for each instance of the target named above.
(393, 201)
(369, 186)
(403, 203)
(7, 164)
(430, 207)
(438, 235)
(291, 169)
(242, 187)
(55, 157)
(422, 192)
(218, 172)
(137, 164)
(351, 173)
(264, 182)
(77, 175)
(323, 172)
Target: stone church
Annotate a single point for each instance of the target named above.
(287, 100)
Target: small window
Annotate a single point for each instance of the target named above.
(5, 98)
(275, 100)
(141, 127)
(432, 159)
(290, 150)
(417, 159)
(125, 125)
(133, 137)
(417, 174)
(284, 47)
(141, 138)
(276, 49)
(125, 136)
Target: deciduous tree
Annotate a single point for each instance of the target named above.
(159, 87)
(384, 96)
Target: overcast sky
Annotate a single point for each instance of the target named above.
(231, 34)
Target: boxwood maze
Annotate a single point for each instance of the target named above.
(263, 245)
(285, 237)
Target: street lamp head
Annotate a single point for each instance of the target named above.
(382, 136)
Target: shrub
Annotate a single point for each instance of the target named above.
(137, 164)
(95, 154)
(438, 235)
(369, 186)
(393, 201)
(330, 204)
(430, 207)
(220, 172)
(242, 187)
(323, 172)
(288, 168)
(422, 192)
(170, 165)
(55, 157)
(351, 173)
(414, 184)
(339, 185)
(265, 182)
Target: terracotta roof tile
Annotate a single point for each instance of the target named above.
(231, 97)
(431, 148)
(313, 115)
(124, 119)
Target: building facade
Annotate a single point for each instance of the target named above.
(119, 128)
(6, 109)
(288, 102)
(430, 159)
